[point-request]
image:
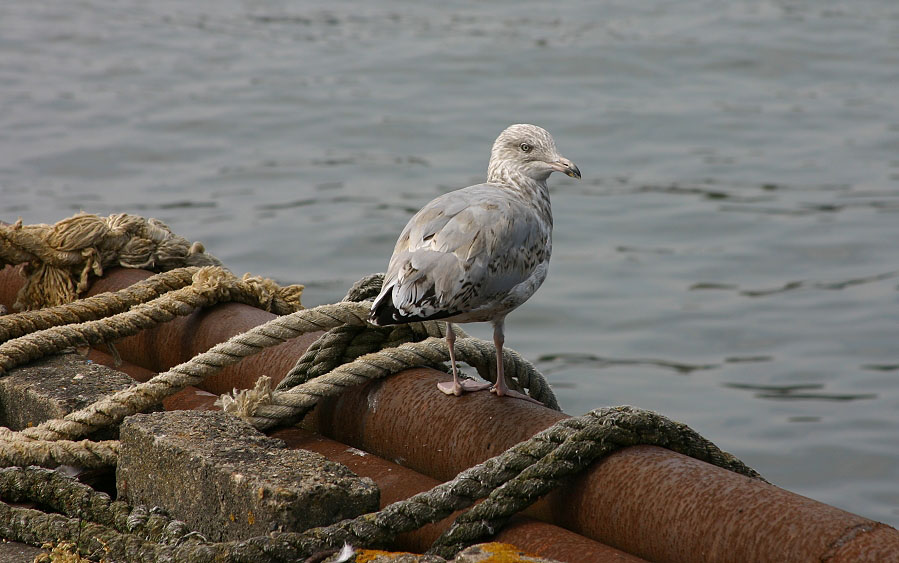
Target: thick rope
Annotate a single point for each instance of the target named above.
(366, 289)
(210, 285)
(344, 343)
(74, 499)
(255, 291)
(96, 307)
(60, 259)
(292, 405)
(522, 474)
(14, 450)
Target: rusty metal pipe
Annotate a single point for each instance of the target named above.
(701, 514)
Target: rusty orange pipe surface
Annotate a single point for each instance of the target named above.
(702, 513)
(11, 281)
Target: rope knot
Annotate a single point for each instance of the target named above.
(244, 402)
(61, 259)
(268, 290)
(214, 283)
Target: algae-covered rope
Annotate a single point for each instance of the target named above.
(68, 496)
(345, 343)
(532, 468)
(512, 479)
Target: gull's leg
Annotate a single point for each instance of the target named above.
(500, 388)
(458, 385)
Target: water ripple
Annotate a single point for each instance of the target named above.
(794, 285)
(599, 362)
(799, 392)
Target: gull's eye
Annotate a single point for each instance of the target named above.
(525, 147)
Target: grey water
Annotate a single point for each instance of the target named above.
(730, 258)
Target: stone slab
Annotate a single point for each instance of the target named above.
(53, 387)
(230, 482)
(14, 552)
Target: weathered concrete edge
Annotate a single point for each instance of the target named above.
(228, 481)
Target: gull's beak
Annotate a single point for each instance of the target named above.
(566, 167)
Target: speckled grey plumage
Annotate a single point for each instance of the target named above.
(477, 253)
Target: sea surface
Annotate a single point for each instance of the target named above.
(730, 258)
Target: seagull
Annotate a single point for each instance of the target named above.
(476, 254)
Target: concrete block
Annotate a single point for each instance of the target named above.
(53, 387)
(230, 482)
(14, 552)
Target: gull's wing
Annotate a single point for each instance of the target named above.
(463, 251)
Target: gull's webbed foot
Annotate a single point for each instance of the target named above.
(514, 394)
(463, 386)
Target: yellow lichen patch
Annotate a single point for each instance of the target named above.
(251, 518)
(63, 552)
(366, 555)
(503, 553)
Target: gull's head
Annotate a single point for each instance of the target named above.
(527, 150)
